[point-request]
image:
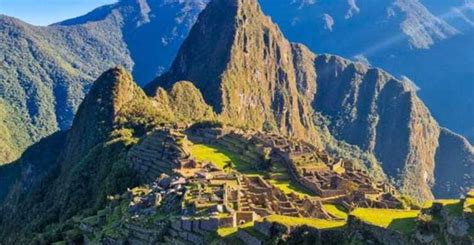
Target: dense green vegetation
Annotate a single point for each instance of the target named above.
(81, 190)
(74, 175)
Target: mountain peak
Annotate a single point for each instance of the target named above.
(244, 67)
(111, 94)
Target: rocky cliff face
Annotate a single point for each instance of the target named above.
(380, 114)
(113, 101)
(421, 39)
(454, 165)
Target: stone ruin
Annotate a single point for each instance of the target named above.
(164, 194)
(257, 195)
(211, 197)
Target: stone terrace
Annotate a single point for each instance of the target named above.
(159, 152)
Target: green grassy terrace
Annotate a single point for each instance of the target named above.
(219, 156)
(296, 221)
(403, 221)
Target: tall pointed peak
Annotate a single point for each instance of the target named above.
(96, 117)
(244, 67)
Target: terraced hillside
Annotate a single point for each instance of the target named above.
(191, 207)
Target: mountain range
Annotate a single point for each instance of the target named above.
(63, 59)
(144, 36)
(234, 66)
(424, 41)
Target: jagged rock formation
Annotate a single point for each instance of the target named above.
(253, 77)
(45, 95)
(256, 74)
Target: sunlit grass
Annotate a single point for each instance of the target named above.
(403, 221)
(221, 157)
(332, 209)
(296, 221)
(288, 186)
(205, 153)
(469, 205)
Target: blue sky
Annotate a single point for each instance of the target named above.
(45, 12)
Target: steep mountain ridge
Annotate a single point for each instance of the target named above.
(295, 90)
(380, 114)
(113, 98)
(250, 76)
(65, 58)
(71, 54)
(72, 172)
(44, 94)
(366, 106)
(427, 41)
(92, 160)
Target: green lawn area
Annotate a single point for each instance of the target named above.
(316, 223)
(220, 157)
(206, 153)
(332, 209)
(403, 221)
(288, 186)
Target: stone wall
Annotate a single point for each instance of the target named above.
(248, 239)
